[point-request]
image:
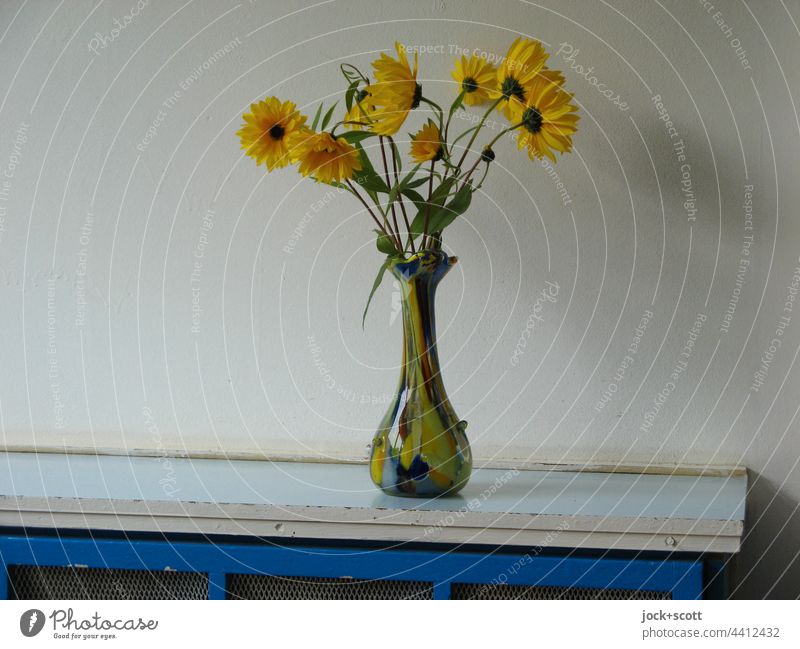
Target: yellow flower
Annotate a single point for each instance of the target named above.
(554, 77)
(267, 127)
(360, 111)
(324, 157)
(426, 144)
(394, 93)
(521, 66)
(475, 77)
(547, 116)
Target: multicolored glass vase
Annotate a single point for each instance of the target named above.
(420, 448)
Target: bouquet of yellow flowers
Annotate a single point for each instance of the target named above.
(529, 94)
(420, 448)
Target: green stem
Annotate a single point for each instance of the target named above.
(344, 66)
(475, 133)
(428, 207)
(391, 205)
(480, 184)
(488, 146)
(395, 155)
(348, 123)
(453, 109)
(469, 173)
(366, 205)
(438, 109)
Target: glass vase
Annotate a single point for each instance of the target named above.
(420, 448)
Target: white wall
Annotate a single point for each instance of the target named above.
(103, 224)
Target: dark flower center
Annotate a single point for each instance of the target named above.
(469, 85)
(532, 120)
(417, 96)
(276, 132)
(512, 88)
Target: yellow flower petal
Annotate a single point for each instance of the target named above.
(549, 119)
(426, 144)
(325, 158)
(394, 93)
(266, 130)
(476, 77)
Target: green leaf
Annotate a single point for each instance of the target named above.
(371, 182)
(348, 96)
(375, 286)
(368, 177)
(408, 178)
(326, 120)
(407, 182)
(398, 159)
(457, 103)
(445, 215)
(415, 197)
(355, 136)
(418, 224)
(437, 200)
(347, 74)
(316, 118)
(352, 73)
(441, 192)
(416, 183)
(385, 244)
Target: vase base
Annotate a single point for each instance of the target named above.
(448, 493)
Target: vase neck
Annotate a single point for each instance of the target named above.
(419, 320)
(419, 276)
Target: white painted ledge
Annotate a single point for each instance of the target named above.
(565, 509)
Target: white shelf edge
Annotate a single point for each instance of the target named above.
(366, 524)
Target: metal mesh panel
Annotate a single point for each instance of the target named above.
(506, 591)
(271, 587)
(49, 582)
